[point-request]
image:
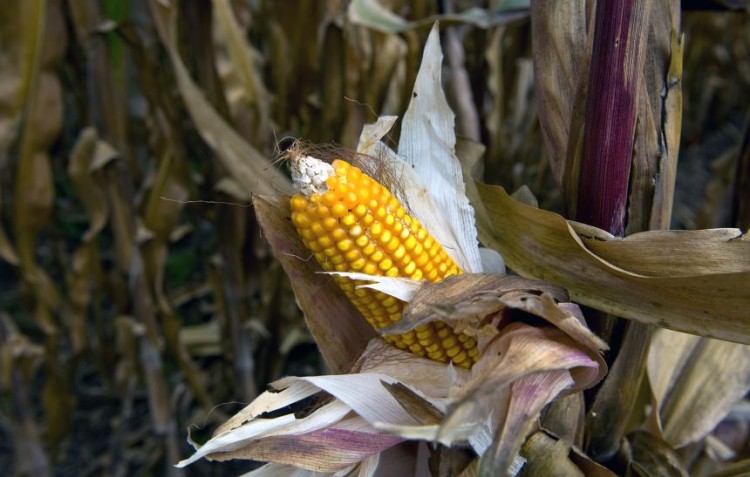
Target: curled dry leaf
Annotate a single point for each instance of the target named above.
(690, 281)
(465, 301)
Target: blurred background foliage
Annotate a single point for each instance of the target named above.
(137, 295)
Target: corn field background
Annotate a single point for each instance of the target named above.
(138, 298)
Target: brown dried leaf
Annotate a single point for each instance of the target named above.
(653, 456)
(692, 281)
(81, 170)
(252, 171)
(695, 382)
(245, 60)
(549, 455)
(561, 59)
(21, 36)
(467, 301)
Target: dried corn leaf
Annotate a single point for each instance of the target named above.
(253, 172)
(650, 455)
(85, 159)
(244, 59)
(372, 14)
(21, 28)
(548, 455)
(559, 40)
(695, 382)
(657, 140)
(691, 281)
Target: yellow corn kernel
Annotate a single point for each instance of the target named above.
(356, 224)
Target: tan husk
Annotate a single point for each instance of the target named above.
(340, 341)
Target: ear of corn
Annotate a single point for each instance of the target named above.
(351, 223)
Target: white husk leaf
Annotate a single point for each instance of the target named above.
(401, 288)
(284, 425)
(427, 145)
(429, 174)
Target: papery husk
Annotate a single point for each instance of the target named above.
(521, 371)
(340, 332)
(690, 281)
(464, 301)
(365, 393)
(430, 181)
(535, 366)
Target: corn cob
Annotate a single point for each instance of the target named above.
(352, 223)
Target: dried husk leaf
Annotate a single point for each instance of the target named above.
(465, 301)
(335, 324)
(327, 450)
(526, 366)
(519, 373)
(564, 418)
(528, 396)
(691, 281)
(427, 145)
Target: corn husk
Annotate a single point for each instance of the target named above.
(388, 397)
